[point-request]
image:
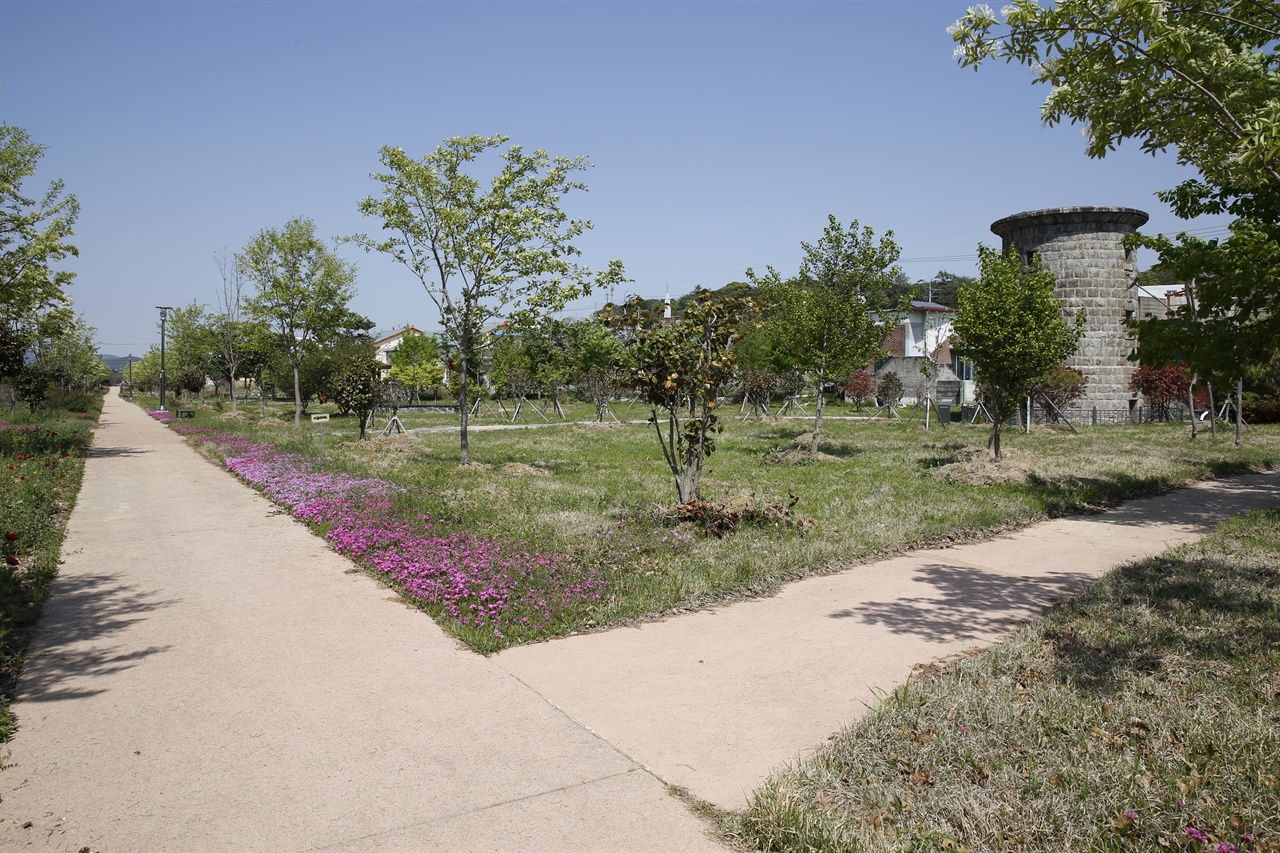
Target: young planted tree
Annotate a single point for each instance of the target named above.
(679, 369)
(860, 385)
(1010, 325)
(889, 390)
(594, 353)
(1058, 389)
(835, 315)
(303, 291)
(482, 254)
(357, 388)
(1161, 387)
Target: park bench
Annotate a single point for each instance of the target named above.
(185, 413)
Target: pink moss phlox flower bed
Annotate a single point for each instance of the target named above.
(478, 582)
(162, 416)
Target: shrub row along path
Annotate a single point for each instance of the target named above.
(209, 676)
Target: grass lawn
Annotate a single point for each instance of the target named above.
(1143, 714)
(41, 466)
(596, 499)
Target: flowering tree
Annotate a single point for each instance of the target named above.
(679, 369)
(303, 291)
(1161, 387)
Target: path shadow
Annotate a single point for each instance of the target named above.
(75, 649)
(116, 452)
(1200, 508)
(973, 604)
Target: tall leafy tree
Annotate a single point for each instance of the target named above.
(303, 289)
(1200, 77)
(232, 330)
(193, 346)
(1010, 325)
(482, 254)
(34, 231)
(834, 316)
(1197, 76)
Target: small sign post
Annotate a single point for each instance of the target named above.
(320, 418)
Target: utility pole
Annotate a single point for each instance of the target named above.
(164, 315)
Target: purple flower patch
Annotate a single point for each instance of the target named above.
(477, 581)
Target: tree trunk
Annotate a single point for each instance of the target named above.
(297, 398)
(817, 422)
(1191, 405)
(465, 456)
(1213, 413)
(233, 390)
(1239, 410)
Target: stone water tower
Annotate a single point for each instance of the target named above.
(1084, 249)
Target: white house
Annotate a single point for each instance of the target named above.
(387, 345)
(925, 332)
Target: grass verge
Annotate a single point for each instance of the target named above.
(41, 467)
(1142, 715)
(598, 498)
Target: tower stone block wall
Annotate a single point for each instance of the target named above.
(1084, 249)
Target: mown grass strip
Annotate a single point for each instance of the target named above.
(1143, 714)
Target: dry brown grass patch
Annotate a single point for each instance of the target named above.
(519, 469)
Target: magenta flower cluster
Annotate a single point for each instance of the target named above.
(477, 581)
(163, 417)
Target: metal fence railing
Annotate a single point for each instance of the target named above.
(1081, 417)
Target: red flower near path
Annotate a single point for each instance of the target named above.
(13, 561)
(12, 537)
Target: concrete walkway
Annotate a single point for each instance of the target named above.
(209, 676)
(714, 700)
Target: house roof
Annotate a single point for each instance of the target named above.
(398, 334)
(921, 305)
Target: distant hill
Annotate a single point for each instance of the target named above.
(117, 363)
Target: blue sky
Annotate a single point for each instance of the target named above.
(722, 133)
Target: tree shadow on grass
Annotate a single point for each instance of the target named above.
(1196, 508)
(77, 648)
(1205, 612)
(970, 604)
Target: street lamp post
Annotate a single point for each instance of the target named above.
(164, 315)
(130, 376)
